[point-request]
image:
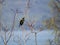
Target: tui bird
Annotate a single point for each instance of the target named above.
(22, 21)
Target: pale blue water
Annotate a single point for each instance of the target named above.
(42, 38)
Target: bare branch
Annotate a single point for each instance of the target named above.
(56, 6)
(9, 38)
(12, 28)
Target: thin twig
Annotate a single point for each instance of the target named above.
(35, 38)
(12, 28)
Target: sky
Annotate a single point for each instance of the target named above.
(39, 10)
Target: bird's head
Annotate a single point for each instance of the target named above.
(23, 18)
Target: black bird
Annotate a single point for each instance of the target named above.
(22, 21)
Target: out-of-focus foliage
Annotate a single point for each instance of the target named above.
(50, 24)
(54, 21)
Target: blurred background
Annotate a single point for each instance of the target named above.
(41, 24)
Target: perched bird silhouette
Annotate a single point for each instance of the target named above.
(22, 21)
